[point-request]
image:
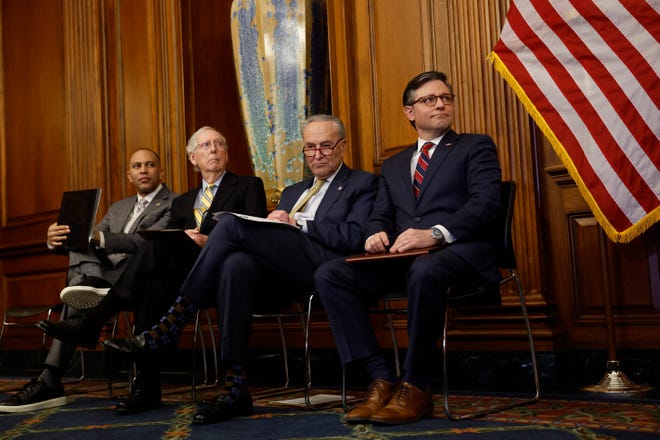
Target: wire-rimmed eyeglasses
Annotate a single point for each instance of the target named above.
(207, 144)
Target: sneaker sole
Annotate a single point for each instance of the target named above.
(82, 297)
(50, 403)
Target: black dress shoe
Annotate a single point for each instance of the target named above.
(221, 409)
(75, 330)
(132, 345)
(141, 398)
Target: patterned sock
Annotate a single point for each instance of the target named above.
(234, 380)
(167, 331)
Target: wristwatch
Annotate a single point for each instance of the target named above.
(300, 223)
(437, 234)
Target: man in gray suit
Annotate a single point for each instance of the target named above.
(113, 244)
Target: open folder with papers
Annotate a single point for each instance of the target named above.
(251, 218)
(78, 211)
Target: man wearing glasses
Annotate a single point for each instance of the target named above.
(444, 190)
(150, 283)
(248, 263)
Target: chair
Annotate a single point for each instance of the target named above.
(28, 316)
(469, 296)
(18, 316)
(198, 335)
(302, 310)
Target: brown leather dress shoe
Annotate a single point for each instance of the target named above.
(408, 404)
(378, 395)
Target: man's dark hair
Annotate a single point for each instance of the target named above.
(419, 81)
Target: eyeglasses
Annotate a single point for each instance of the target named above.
(325, 148)
(430, 100)
(206, 145)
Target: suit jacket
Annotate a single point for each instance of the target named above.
(151, 281)
(243, 194)
(339, 221)
(461, 191)
(155, 216)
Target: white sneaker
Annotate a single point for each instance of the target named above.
(82, 297)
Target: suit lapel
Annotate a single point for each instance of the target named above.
(406, 177)
(441, 152)
(333, 192)
(125, 214)
(225, 189)
(152, 206)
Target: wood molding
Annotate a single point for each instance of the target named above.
(84, 101)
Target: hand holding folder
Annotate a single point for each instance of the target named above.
(78, 211)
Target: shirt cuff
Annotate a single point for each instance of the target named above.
(448, 237)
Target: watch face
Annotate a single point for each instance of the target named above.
(437, 233)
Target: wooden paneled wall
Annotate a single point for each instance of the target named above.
(376, 47)
(85, 82)
(374, 63)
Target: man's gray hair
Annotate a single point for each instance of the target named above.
(341, 130)
(192, 142)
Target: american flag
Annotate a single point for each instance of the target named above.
(587, 72)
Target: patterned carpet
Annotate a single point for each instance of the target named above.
(90, 414)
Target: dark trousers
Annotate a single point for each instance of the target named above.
(347, 290)
(246, 266)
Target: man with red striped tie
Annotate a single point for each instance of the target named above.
(443, 190)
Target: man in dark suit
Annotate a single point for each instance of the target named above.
(150, 283)
(443, 190)
(91, 272)
(249, 263)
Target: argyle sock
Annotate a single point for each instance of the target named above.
(167, 331)
(234, 380)
(377, 368)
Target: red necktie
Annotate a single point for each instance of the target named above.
(420, 169)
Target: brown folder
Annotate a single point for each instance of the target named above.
(389, 255)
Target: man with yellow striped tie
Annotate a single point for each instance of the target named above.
(152, 282)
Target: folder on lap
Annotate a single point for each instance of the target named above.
(388, 255)
(78, 210)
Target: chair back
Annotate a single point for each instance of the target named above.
(506, 257)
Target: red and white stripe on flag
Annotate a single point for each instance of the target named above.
(588, 73)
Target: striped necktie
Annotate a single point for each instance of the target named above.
(420, 169)
(204, 204)
(312, 191)
(137, 210)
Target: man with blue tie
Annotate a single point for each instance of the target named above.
(444, 190)
(248, 263)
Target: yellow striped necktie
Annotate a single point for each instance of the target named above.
(312, 191)
(204, 204)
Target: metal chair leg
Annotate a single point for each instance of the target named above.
(198, 334)
(445, 382)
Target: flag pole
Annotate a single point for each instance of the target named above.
(615, 381)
